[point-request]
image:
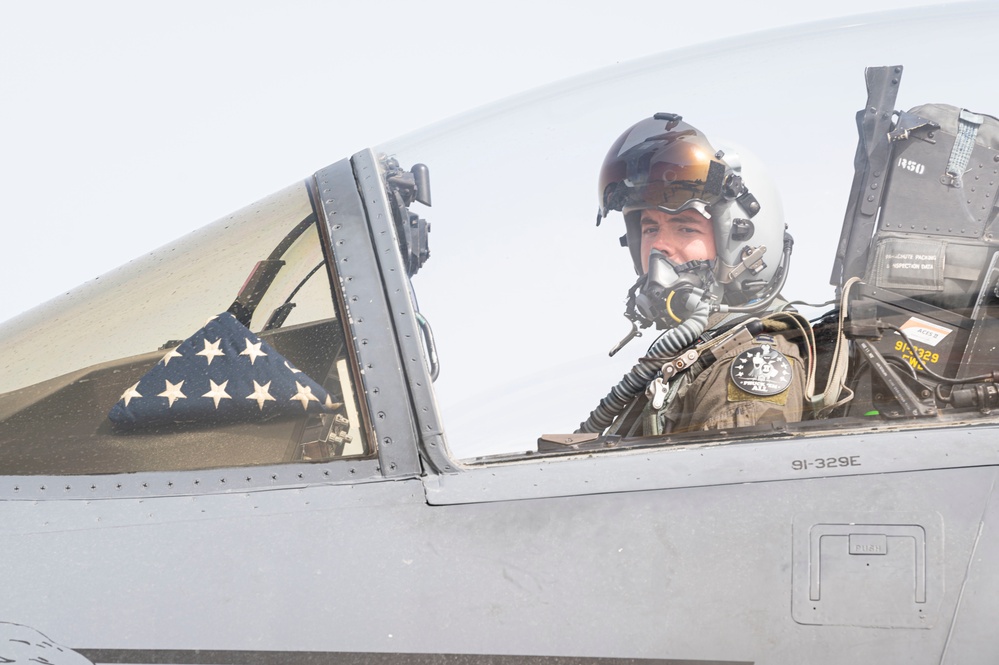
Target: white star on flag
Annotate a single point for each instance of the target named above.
(130, 393)
(253, 350)
(172, 392)
(294, 371)
(172, 353)
(217, 392)
(304, 395)
(211, 350)
(261, 394)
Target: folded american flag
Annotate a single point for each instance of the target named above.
(221, 374)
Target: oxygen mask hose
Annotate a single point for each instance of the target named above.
(634, 383)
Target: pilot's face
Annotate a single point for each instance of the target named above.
(685, 236)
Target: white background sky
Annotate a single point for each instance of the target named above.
(124, 125)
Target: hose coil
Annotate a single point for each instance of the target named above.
(638, 378)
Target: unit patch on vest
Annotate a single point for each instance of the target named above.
(760, 373)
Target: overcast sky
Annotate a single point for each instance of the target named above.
(125, 124)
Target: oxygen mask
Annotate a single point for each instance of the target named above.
(667, 295)
(669, 292)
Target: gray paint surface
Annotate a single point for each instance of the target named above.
(374, 568)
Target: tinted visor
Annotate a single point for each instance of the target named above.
(677, 176)
(666, 171)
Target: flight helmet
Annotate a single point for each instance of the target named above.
(666, 164)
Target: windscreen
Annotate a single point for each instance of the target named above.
(526, 292)
(222, 349)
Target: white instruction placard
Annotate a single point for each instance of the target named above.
(926, 332)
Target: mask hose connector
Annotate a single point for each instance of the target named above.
(637, 379)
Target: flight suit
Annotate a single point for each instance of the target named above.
(711, 398)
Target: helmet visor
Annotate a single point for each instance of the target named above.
(671, 178)
(667, 171)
